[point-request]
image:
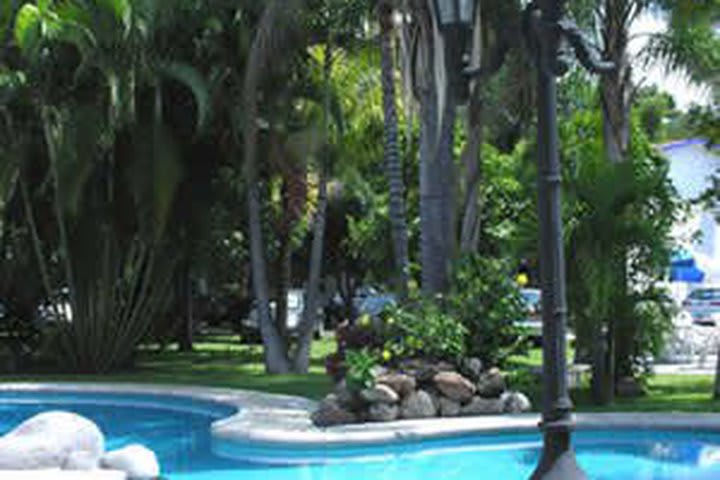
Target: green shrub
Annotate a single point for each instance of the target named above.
(360, 365)
(485, 299)
(422, 329)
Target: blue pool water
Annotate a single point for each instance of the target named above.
(178, 431)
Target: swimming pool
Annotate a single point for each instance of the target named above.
(178, 430)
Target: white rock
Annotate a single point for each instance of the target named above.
(379, 394)
(137, 461)
(81, 461)
(52, 440)
(515, 402)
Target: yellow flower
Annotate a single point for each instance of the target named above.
(386, 355)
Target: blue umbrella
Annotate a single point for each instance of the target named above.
(684, 269)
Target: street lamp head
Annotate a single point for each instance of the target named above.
(455, 13)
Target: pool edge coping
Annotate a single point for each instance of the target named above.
(273, 420)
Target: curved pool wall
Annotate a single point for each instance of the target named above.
(203, 434)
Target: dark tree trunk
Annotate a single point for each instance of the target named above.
(185, 310)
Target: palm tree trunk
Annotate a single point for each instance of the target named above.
(471, 161)
(431, 241)
(393, 163)
(283, 285)
(301, 361)
(616, 86)
(267, 41)
(275, 358)
(616, 100)
(437, 195)
(437, 166)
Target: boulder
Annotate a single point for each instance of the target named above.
(403, 384)
(380, 393)
(515, 402)
(137, 461)
(330, 412)
(346, 397)
(418, 404)
(448, 408)
(423, 370)
(483, 406)
(52, 440)
(383, 412)
(491, 384)
(454, 386)
(472, 368)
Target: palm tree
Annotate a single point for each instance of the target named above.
(437, 166)
(275, 34)
(688, 45)
(271, 38)
(682, 47)
(393, 163)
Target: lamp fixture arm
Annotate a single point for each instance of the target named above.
(567, 33)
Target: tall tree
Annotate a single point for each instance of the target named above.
(615, 19)
(393, 162)
(272, 36)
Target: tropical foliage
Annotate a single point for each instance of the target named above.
(167, 163)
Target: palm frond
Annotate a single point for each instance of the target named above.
(191, 78)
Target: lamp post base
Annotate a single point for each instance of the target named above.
(558, 458)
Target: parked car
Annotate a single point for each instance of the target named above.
(250, 325)
(703, 304)
(374, 305)
(532, 323)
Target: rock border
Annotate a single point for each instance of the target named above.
(267, 424)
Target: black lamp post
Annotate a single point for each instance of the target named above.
(550, 35)
(455, 19)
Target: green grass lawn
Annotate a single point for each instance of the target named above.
(665, 393)
(222, 361)
(217, 361)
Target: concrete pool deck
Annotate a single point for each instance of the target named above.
(271, 421)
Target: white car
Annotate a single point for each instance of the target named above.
(703, 304)
(250, 326)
